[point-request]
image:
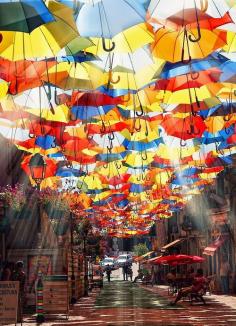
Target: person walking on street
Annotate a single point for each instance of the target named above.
(224, 276)
(130, 273)
(125, 271)
(108, 272)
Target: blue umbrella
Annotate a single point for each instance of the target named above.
(107, 18)
(228, 72)
(175, 69)
(87, 112)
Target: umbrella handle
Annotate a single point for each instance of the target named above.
(194, 75)
(31, 135)
(198, 103)
(182, 58)
(56, 99)
(141, 113)
(111, 80)
(227, 131)
(204, 5)
(139, 128)
(182, 142)
(199, 36)
(68, 164)
(226, 118)
(192, 111)
(147, 178)
(144, 158)
(111, 136)
(128, 98)
(219, 151)
(51, 108)
(103, 129)
(193, 131)
(109, 148)
(104, 45)
(118, 166)
(53, 144)
(89, 136)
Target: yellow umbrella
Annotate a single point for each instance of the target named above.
(3, 89)
(127, 41)
(76, 75)
(139, 159)
(44, 41)
(175, 46)
(93, 181)
(215, 124)
(175, 154)
(61, 113)
(183, 96)
(140, 131)
(146, 97)
(133, 80)
(231, 42)
(112, 169)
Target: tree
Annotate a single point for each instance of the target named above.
(140, 249)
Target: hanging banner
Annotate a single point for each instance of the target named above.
(9, 292)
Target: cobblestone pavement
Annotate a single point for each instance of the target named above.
(123, 304)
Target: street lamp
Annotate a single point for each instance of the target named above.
(37, 167)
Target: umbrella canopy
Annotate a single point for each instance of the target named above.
(106, 18)
(23, 16)
(174, 260)
(44, 41)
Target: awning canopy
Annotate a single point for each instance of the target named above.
(172, 244)
(211, 249)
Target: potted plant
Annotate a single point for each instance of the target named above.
(54, 203)
(14, 199)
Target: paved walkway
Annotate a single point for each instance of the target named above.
(123, 304)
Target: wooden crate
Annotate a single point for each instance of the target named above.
(56, 295)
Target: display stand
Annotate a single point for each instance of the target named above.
(9, 302)
(56, 295)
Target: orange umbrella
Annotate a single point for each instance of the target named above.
(187, 128)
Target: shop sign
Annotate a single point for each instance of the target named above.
(9, 292)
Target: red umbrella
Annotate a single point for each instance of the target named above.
(94, 99)
(174, 260)
(190, 80)
(187, 128)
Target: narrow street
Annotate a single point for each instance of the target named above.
(122, 303)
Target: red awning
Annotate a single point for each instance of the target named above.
(211, 249)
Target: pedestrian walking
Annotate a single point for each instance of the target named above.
(224, 276)
(125, 271)
(108, 272)
(130, 273)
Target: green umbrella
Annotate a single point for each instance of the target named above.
(23, 16)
